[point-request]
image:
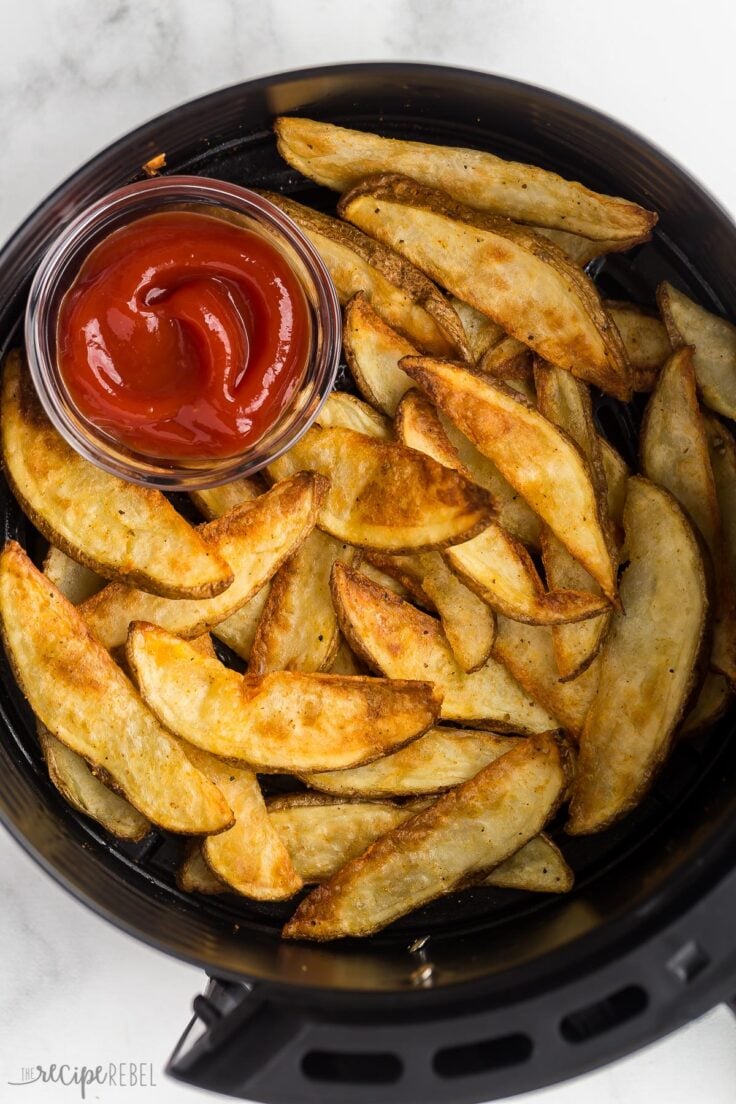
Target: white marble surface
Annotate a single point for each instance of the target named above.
(77, 73)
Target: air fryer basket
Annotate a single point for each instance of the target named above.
(510, 991)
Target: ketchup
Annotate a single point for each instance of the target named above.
(184, 336)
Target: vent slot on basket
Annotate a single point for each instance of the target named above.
(366, 1068)
(482, 1056)
(595, 1019)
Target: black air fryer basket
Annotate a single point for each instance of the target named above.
(510, 991)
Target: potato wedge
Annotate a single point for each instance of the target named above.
(348, 412)
(722, 452)
(583, 250)
(422, 427)
(297, 630)
(645, 341)
(195, 876)
(437, 761)
(215, 502)
(345, 661)
(373, 351)
(617, 478)
(519, 279)
(509, 359)
(239, 630)
(480, 330)
(283, 721)
(566, 402)
(469, 623)
(554, 477)
(400, 641)
(401, 294)
(338, 158)
(647, 666)
(527, 652)
(710, 705)
(117, 529)
(255, 538)
(674, 454)
(714, 342)
(84, 699)
(389, 582)
(538, 867)
(250, 857)
(499, 570)
(385, 496)
(459, 838)
(76, 582)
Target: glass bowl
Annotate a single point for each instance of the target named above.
(59, 268)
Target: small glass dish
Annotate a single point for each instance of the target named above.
(59, 268)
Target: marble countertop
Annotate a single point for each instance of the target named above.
(78, 73)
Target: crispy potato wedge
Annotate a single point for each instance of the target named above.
(76, 582)
(554, 478)
(338, 158)
(373, 351)
(509, 359)
(437, 761)
(283, 721)
(348, 412)
(527, 652)
(215, 502)
(400, 641)
(390, 582)
(84, 699)
(422, 427)
(645, 341)
(566, 402)
(583, 250)
(401, 294)
(722, 452)
(345, 661)
(117, 529)
(469, 623)
(69, 772)
(239, 630)
(250, 857)
(710, 704)
(714, 343)
(647, 666)
(76, 783)
(298, 628)
(538, 867)
(480, 330)
(674, 454)
(458, 839)
(519, 279)
(195, 876)
(617, 478)
(385, 496)
(255, 538)
(499, 570)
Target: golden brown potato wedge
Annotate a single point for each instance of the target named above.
(250, 857)
(647, 666)
(674, 454)
(215, 502)
(422, 427)
(338, 158)
(538, 867)
(469, 623)
(255, 538)
(239, 630)
(345, 661)
(714, 343)
(373, 351)
(117, 529)
(390, 582)
(385, 496)
(297, 630)
(554, 477)
(481, 331)
(509, 359)
(195, 876)
(617, 477)
(722, 452)
(566, 402)
(519, 279)
(84, 699)
(458, 839)
(76, 582)
(645, 341)
(400, 641)
(437, 761)
(401, 294)
(283, 721)
(499, 570)
(527, 651)
(348, 412)
(711, 703)
(583, 250)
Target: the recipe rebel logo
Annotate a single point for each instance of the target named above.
(120, 1075)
